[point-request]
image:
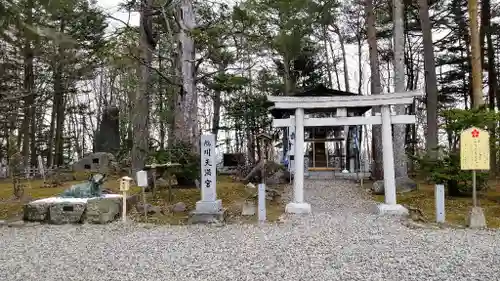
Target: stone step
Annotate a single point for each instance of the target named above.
(325, 175)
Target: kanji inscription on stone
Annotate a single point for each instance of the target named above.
(208, 166)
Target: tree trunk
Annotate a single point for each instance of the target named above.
(400, 158)
(377, 167)
(492, 76)
(161, 102)
(217, 102)
(430, 80)
(328, 63)
(477, 93)
(344, 58)
(140, 106)
(186, 111)
(58, 107)
(360, 65)
(29, 83)
(50, 143)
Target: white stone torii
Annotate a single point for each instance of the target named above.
(298, 205)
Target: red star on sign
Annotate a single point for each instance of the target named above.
(475, 133)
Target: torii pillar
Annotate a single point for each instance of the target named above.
(298, 206)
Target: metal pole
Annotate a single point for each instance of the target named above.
(474, 196)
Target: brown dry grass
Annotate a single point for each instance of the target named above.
(232, 193)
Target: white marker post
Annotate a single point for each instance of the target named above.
(440, 210)
(124, 187)
(142, 181)
(262, 202)
(40, 167)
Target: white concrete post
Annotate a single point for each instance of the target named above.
(388, 156)
(261, 202)
(298, 206)
(298, 183)
(440, 210)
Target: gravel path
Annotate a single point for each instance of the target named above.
(340, 241)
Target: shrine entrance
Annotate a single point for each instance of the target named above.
(338, 111)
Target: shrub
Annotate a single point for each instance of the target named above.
(446, 168)
(183, 154)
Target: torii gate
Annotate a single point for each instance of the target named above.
(385, 101)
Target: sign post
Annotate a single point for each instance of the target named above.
(475, 155)
(124, 187)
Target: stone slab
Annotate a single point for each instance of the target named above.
(391, 210)
(209, 207)
(196, 217)
(403, 184)
(248, 209)
(476, 218)
(36, 211)
(298, 208)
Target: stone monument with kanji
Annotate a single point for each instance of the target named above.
(209, 208)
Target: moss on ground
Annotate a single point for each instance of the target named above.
(456, 207)
(232, 193)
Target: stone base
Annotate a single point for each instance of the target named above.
(103, 210)
(67, 212)
(206, 218)
(58, 210)
(298, 208)
(475, 218)
(391, 210)
(209, 207)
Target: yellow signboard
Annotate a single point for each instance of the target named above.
(474, 149)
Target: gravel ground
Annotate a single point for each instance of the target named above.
(340, 241)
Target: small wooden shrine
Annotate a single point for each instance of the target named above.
(327, 148)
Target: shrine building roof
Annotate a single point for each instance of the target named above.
(319, 90)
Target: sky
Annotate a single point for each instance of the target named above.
(111, 8)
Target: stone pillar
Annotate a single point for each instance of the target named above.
(298, 206)
(390, 207)
(388, 157)
(209, 208)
